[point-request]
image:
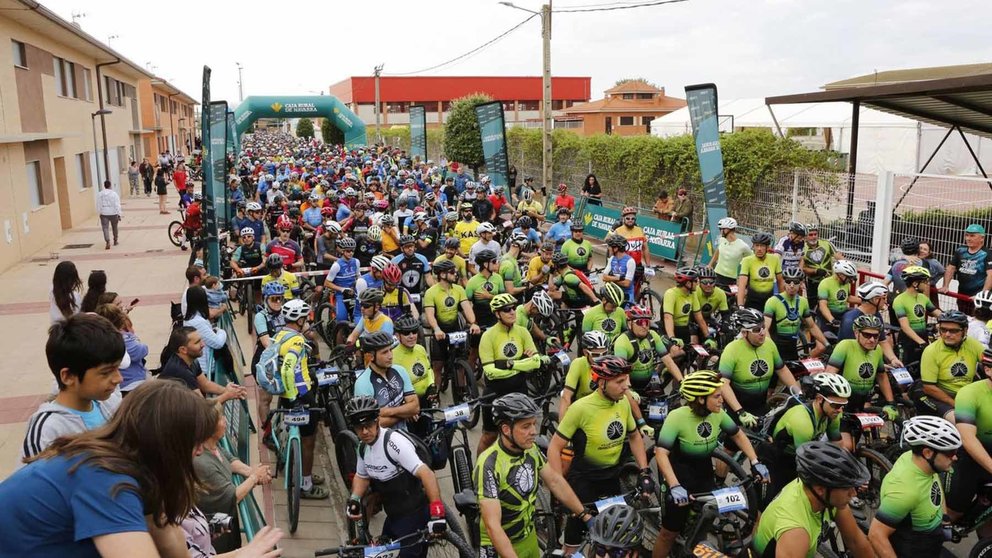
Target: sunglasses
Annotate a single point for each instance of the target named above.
(609, 552)
(793, 281)
(278, 299)
(414, 332)
(642, 323)
(835, 404)
(368, 305)
(707, 282)
(507, 309)
(756, 329)
(951, 330)
(869, 335)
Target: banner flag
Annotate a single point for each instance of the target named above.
(663, 236)
(418, 132)
(493, 131)
(702, 101)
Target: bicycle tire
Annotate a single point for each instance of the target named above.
(652, 301)
(346, 454)
(177, 234)
(982, 550)
(875, 462)
(749, 518)
(337, 422)
(455, 536)
(466, 391)
(546, 523)
(341, 332)
(324, 318)
(461, 469)
(294, 479)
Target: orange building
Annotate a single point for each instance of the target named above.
(168, 119)
(626, 110)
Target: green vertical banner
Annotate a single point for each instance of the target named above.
(210, 186)
(418, 132)
(601, 220)
(702, 101)
(215, 165)
(233, 141)
(493, 131)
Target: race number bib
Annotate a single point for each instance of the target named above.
(730, 499)
(391, 550)
(457, 413)
(297, 418)
(813, 365)
(457, 337)
(902, 376)
(869, 421)
(658, 411)
(607, 503)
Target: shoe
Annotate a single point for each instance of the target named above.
(315, 493)
(115, 242)
(317, 479)
(107, 247)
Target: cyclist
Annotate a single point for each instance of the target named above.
(979, 324)
(874, 300)
(414, 266)
(274, 266)
(267, 321)
(818, 258)
(597, 426)
(326, 244)
(578, 380)
(507, 477)
(643, 349)
(828, 479)
(255, 221)
(971, 265)
(711, 300)
(386, 382)
(442, 303)
(388, 463)
(621, 268)
(342, 277)
(759, 274)
(787, 315)
(412, 356)
(577, 248)
(451, 246)
(370, 318)
(390, 236)
(466, 228)
(910, 248)
(947, 365)
(747, 362)
(509, 265)
(909, 518)
(608, 316)
(396, 299)
(539, 268)
(481, 289)
(637, 241)
(728, 254)
(507, 352)
(790, 247)
(616, 533)
(911, 308)
(247, 258)
(835, 294)
(524, 227)
(372, 279)
(294, 352)
(540, 305)
(973, 415)
(284, 246)
(859, 360)
(569, 286)
(807, 422)
(685, 447)
(486, 231)
(560, 230)
(679, 304)
(529, 207)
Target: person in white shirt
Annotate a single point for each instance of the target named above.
(109, 205)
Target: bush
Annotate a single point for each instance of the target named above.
(304, 128)
(462, 139)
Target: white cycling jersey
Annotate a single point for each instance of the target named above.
(375, 464)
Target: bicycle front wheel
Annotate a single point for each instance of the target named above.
(177, 234)
(294, 480)
(346, 452)
(871, 497)
(452, 543)
(463, 388)
(461, 469)
(652, 301)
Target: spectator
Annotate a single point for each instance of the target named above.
(96, 285)
(118, 490)
(682, 211)
(198, 316)
(663, 206)
(179, 362)
(592, 190)
(179, 177)
(971, 265)
(66, 296)
(936, 270)
(147, 172)
(135, 373)
(910, 248)
(216, 296)
(132, 178)
(109, 205)
(161, 185)
(564, 199)
(511, 177)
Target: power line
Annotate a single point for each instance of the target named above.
(473, 51)
(601, 4)
(626, 7)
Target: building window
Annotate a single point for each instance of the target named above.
(646, 120)
(628, 96)
(509, 106)
(113, 91)
(445, 106)
(20, 54)
(84, 177)
(557, 105)
(397, 107)
(626, 121)
(645, 96)
(529, 105)
(87, 85)
(34, 183)
(65, 78)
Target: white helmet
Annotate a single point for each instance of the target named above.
(542, 301)
(374, 233)
(248, 231)
(872, 290)
(830, 384)
(379, 262)
(727, 223)
(333, 226)
(594, 340)
(845, 268)
(486, 227)
(253, 206)
(983, 299)
(295, 309)
(933, 432)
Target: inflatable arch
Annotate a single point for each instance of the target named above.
(326, 106)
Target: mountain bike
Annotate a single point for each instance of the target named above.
(458, 372)
(437, 540)
(289, 453)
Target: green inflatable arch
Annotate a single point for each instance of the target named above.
(327, 106)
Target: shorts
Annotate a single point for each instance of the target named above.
(526, 548)
(685, 333)
(588, 490)
(439, 349)
(756, 300)
(964, 482)
(674, 516)
(514, 384)
(929, 406)
(307, 400)
(162, 190)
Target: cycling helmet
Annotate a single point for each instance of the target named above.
(485, 228)
(607, 367)
(595, 340)
(274, 261)
(484, 257)
(518, 239)
(502, 300)
(612, 293)
(727, 223)
(452, 243)
(762, 239)
(327, 211)
(638, 312)
(409, 182)
(253, 206)
(616, 241)
(406, 324)
(392, 274)
(528, 195)
(371, 296)
(242, 205)
(429, 196)
(577, 226)
(444, 266)
(314, 197)
(829, 384)
(419, 216)
(376, 340)
(872, 290)
(333, 226)
(829, 465)
(346, 243)
(867, 321)
(334, 197)
(248, 231)
(685, 275)
(910, 246)
(559, 259)
(283, 223)
(628, 210)
(953, 317)
(379, 262)
(845, 268)
(362, 409)
(350, 192)
(369, 196)
(465, 206)
(273, 288)
(542, 301)
(451, 216)
(374, 233)
(407, 239)
(705, 272)
(932, 432)
(797, 228)
(914, 273)
(387, 220)
(810, 227)
(525, 222)
(983, 300)
(547, 246)
(793, 274)
(700, 383)
(563, 211)
(618, 526)
(513, 407)
(747, 318)
(562, 187)
(295, 309)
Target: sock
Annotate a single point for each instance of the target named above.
(307, 483)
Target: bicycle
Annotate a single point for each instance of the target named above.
(391, 549)
(177, 230)
(646, 296)
(289, 453)
(332, 330)
(335, 386)
(458, 372)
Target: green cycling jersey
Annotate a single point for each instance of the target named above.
(687, 435)
(791, 509)
(509, 270)
(950, 369)
(912, 502)
(915, 308)
(479, 283)
(973, 405)
(418, 364)
(750, 370)
(680, 305)
(579, 378)
(597, 428)
(579, 253)
(819, 256)
(507, 346)
(787, 314)
(445, 303)
(805, 423)
(612, 324)
(858, 366)
(836, 295)
(642, 354)
(513, 481)
(716, 301)
(761, 273)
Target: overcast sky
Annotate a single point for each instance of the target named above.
(749, 48)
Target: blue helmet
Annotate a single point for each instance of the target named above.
(274, 288)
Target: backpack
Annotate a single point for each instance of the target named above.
(422, 452)
(268, 371)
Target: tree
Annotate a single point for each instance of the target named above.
(462, 140)
(332, 134)
(638, 79)
(304, 128)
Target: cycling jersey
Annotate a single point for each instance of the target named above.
(538, 270)
(642, 359)
(915, 308)
(379, 322)
(344, 273)
(569, 282)
(535, 208)
(523, 318)
(289, 250)
(413, 268)
(389, 390)
(858, 366)
(481, 245)
(716, 301)
(457, 260)
(493, 285)
(267, 323)
(579, 253)
(846, 329)
(912, 504)
(804, 423)
(559, 232)
(950, 369)
(390, 240)
(636, 241)
(750, 370)
(465, 232)
(367, 281)
(445, 303)
(787, 315)
(287, 279)
(730, 256)
(688, 436)
(973, 405)
(294, 371)
(415, 360)
(509, 270)
(499, 347)
(819, 256)
(395, 303)
(790, 252)
(248, 256)
(597, 428)
(791, 509)
(579, 379)
(391, 468)
(513, 481)
(761, 273)
(835, 294)
(623, 267)
(680, 305)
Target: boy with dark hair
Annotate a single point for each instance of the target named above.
(84, 354)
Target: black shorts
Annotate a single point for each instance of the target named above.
(688, 474)
(439, 349)
(588, 487)
(964, 482)
(513, 384)
(926, 405)
(162, 189)
(307, 400)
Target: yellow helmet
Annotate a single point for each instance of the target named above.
(700, 383)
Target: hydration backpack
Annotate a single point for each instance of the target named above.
(268, 371)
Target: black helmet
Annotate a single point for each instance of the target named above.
(371, 296)
(274, 261)
(485, 256)
(618, 526)
(547, 246)
(616, 241)
(513, 407)
(444, 266)
(372, 342)
(797, 228)
(577, 226)
(829, 465)
(953, 317)
(406, 324)
(407, 239)
(910, 246)
(559, 259)
(525, 222)
(452, 243)
(762, 238)
(361, 409)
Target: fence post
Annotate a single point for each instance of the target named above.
(882, 230)
(795, 196)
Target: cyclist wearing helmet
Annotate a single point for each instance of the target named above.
(525, 227)
(239, 221)
(312, 216)
(711, 300)
(390, 236)
(789, 320)
(608, 316)
(805, 423)
(643, 349)
(679, 304)
(570, 286)
(874, 300)
(372, 279)
(910, 247)
(326, 243)
(412, 356)
(835, 294)
(342, 278)
(860, 361)
(388, 463)
(530, 207)
(255, 221)
(442, 303)
(979, 325)
(507, 477)
(947, 365)
(247, 258)
(911, 308)
(973, 417)
(564, 200)
(358, 226)
(481, 289)
(451, 247)
(728, 254)
(578, 381)
(790, 247)
(637, 241)
(482, 208)
(465, 229)
(507, 352)
(284, 246)
(759, 274)
(597, 426)
(267, 321)
(909, 519)
(539, 269)
(621, 268)
(577, 248)
(396, 299)
(971, 265)
(370, 318)
(561, 229)
(274, 266)
(829, 477)
(385, 381)
(685, 447)
(509, 265)
(540, 305)
(818, 258)
(486, 231)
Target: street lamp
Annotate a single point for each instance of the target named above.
(545, 14)
(93, 116)
(241, 92)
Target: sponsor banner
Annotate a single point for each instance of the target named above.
(663, 236)
(702, 101)
(493, 132)
(418, 132)
(216, 165)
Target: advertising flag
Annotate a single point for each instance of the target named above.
(493, 132)
(702, 101)
(418, 132)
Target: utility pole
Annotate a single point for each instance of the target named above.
(546, 102)
(241, 90)
(378, 103)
